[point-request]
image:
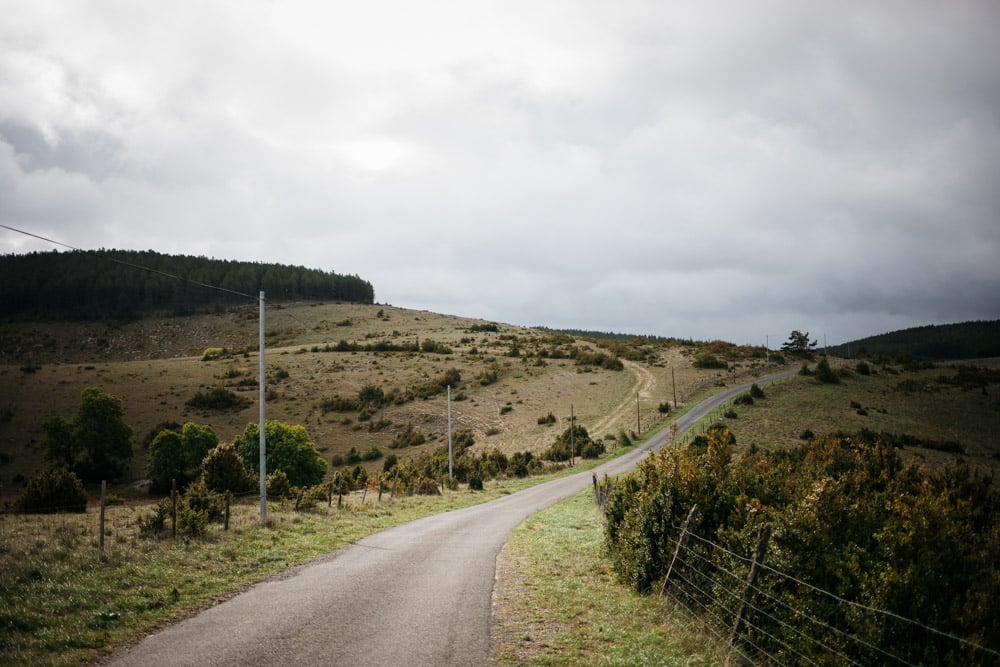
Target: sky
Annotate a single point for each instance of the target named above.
(706, 170)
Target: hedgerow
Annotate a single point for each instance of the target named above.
(849, 517)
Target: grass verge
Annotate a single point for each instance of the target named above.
(557, 601)
(64, 602)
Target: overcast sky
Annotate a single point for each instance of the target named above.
(705, 170)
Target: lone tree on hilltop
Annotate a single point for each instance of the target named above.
(798, 345)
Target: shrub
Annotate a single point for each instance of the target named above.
(562, 449)
(150, 524)
(709, 361)
(756, 391)
(53, 490)
(289, 449)
(547, 420)
(663, 408)
(222, 470)
(211, 353)
(849, 517)
(199, 498)
(743, 399)
(824, 373)
(278, 486)
(217, 398)
(338, 404)
(409, 437)
(476, 480)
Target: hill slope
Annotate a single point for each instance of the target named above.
(966, 340)
(510, 378)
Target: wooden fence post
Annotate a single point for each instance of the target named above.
(298, 499)
(173, 508)
(229, 499)
(681, 541)
(758, 558)
(104, 488)
(329, 495)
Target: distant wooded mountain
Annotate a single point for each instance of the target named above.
(966, 340)
(125, 284)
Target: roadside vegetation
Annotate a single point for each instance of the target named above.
(64, 601)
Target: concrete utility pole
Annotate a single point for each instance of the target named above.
(263, 445)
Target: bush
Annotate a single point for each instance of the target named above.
(278, 486)
(743, 399)
(217, 398)
(756, 391)
(824, 373)
(199, 498)
(562, 448)
(663, 408)
(709, 361)
(222, 471)
(850, 517)
(547, 420)
(51, 491)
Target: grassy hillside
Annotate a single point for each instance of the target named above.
(510, 377)
(949, 410)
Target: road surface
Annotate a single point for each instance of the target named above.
(417, 594)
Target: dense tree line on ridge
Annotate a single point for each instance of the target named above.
(109, 285)
(965, 340)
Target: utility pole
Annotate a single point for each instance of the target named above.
(451, 475)
(263, 444)
(638, 421)
(572, 445)
(674, 383)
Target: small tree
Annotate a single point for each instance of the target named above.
(54, 490)
(222, 470)
(798, 345)
(97, 443)
(166, 461)
(288, 449)
(198, 441)
(824, 373)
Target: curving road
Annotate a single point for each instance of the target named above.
(417, 594)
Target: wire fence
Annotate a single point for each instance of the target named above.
(772, 617)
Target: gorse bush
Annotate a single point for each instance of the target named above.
(217, 398)
(580, 444)
(53, 490)
(849, 517)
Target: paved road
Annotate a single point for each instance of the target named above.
(417, 594)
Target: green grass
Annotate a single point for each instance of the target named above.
(64, 602)
(559, 602)
(901, 402)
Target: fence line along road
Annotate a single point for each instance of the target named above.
(416, 594)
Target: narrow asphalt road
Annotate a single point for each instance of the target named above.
(417, 594)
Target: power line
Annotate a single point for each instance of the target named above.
(130, 264)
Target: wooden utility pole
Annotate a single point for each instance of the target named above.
(572, 444)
